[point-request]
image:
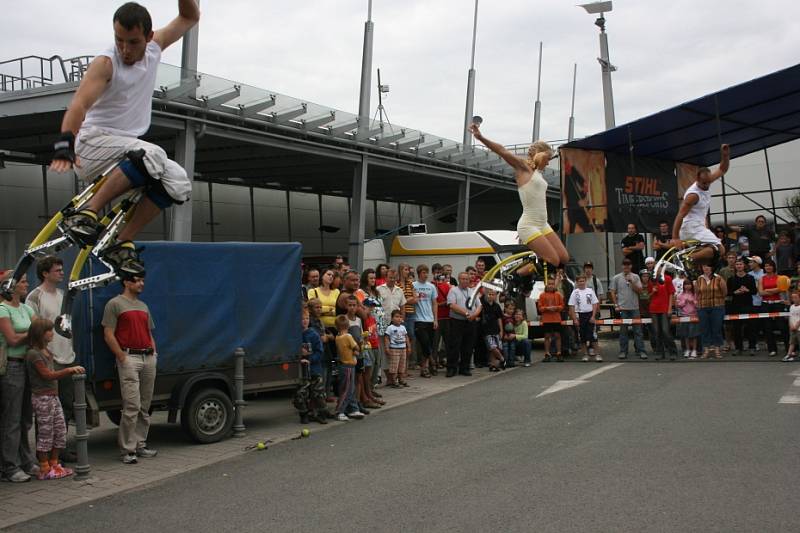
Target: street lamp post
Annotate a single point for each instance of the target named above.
(605, 63)
(463, 193)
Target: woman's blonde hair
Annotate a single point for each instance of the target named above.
(537, 148)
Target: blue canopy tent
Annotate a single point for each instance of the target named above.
(751, 116)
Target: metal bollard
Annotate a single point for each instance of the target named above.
(82, 469)
(238, 401)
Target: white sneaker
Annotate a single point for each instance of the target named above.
(341, 417)
(585, 359)
(356, 414)
(687, 353)
(598, 358)
(693, 355)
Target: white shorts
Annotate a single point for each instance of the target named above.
(698, 232)
(530, 228)
(99, 150)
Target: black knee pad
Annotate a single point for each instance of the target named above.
(153, 188)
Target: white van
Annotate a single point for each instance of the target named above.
(458, 249)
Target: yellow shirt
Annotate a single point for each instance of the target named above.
(346, 347)
(328, 316)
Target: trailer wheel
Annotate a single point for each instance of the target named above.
(207, 416)
(115, 415)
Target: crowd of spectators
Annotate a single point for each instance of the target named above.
(378, 327)
(36, 365)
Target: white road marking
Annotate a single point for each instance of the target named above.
(570, 383)
(792, 396)
(600, 370)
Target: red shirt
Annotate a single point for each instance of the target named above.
(770, 281)
(550, 299)
(442, 309)
(660, 294)
(131, 322)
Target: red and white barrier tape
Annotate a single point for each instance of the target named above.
(674, 320)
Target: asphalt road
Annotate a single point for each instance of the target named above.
(655, 447)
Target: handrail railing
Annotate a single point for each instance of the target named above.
(36, 71)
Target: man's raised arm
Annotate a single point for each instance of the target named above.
(724, 162)
(94, 82)
(188, 16)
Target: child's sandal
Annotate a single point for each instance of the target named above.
(61, 471)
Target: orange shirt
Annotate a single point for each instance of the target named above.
(550, 299)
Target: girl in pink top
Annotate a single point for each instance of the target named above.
(686, 304)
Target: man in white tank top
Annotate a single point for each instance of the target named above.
(691, 221)
(108, 113)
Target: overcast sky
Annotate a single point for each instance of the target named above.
(666, 52)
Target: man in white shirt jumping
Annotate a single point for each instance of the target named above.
(691, 222)
(108, 113)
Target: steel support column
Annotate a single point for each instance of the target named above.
(355, 253)
(252, 215)
(181, 215)
(462, 214)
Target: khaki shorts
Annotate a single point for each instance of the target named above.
(99, 151)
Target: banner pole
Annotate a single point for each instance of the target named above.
(724, 192)
(633, 175)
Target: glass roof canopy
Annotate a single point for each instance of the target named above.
(246, 104)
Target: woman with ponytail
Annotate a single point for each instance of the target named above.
(532, 228)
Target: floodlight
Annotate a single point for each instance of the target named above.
(597, 7)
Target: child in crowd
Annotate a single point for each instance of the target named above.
(686, 303)
(314, 306)
(644, 296)
(583, 306)
(51, 429)
(347, 348)
(551, 303)
(492, 322)
(794, 327)
(356, 330)
(521, 336)
(309, 400)
(508, 336)
(398, 347)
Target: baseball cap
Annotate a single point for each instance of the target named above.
(588, 264)
(756, 259)
(644, 271)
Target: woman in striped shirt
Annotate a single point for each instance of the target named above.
(710, 289)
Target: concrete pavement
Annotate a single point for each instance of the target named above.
(661, 447)
(269, 417)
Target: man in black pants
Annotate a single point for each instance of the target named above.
(465, 311)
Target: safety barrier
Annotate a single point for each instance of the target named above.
(674, 320)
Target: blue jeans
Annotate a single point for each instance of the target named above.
(512, 348)
(16, 419)
(525, 345)
(409, 322)
(638, 341)
(711, 321)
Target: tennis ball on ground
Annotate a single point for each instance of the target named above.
(305, 432)
(261, 446)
